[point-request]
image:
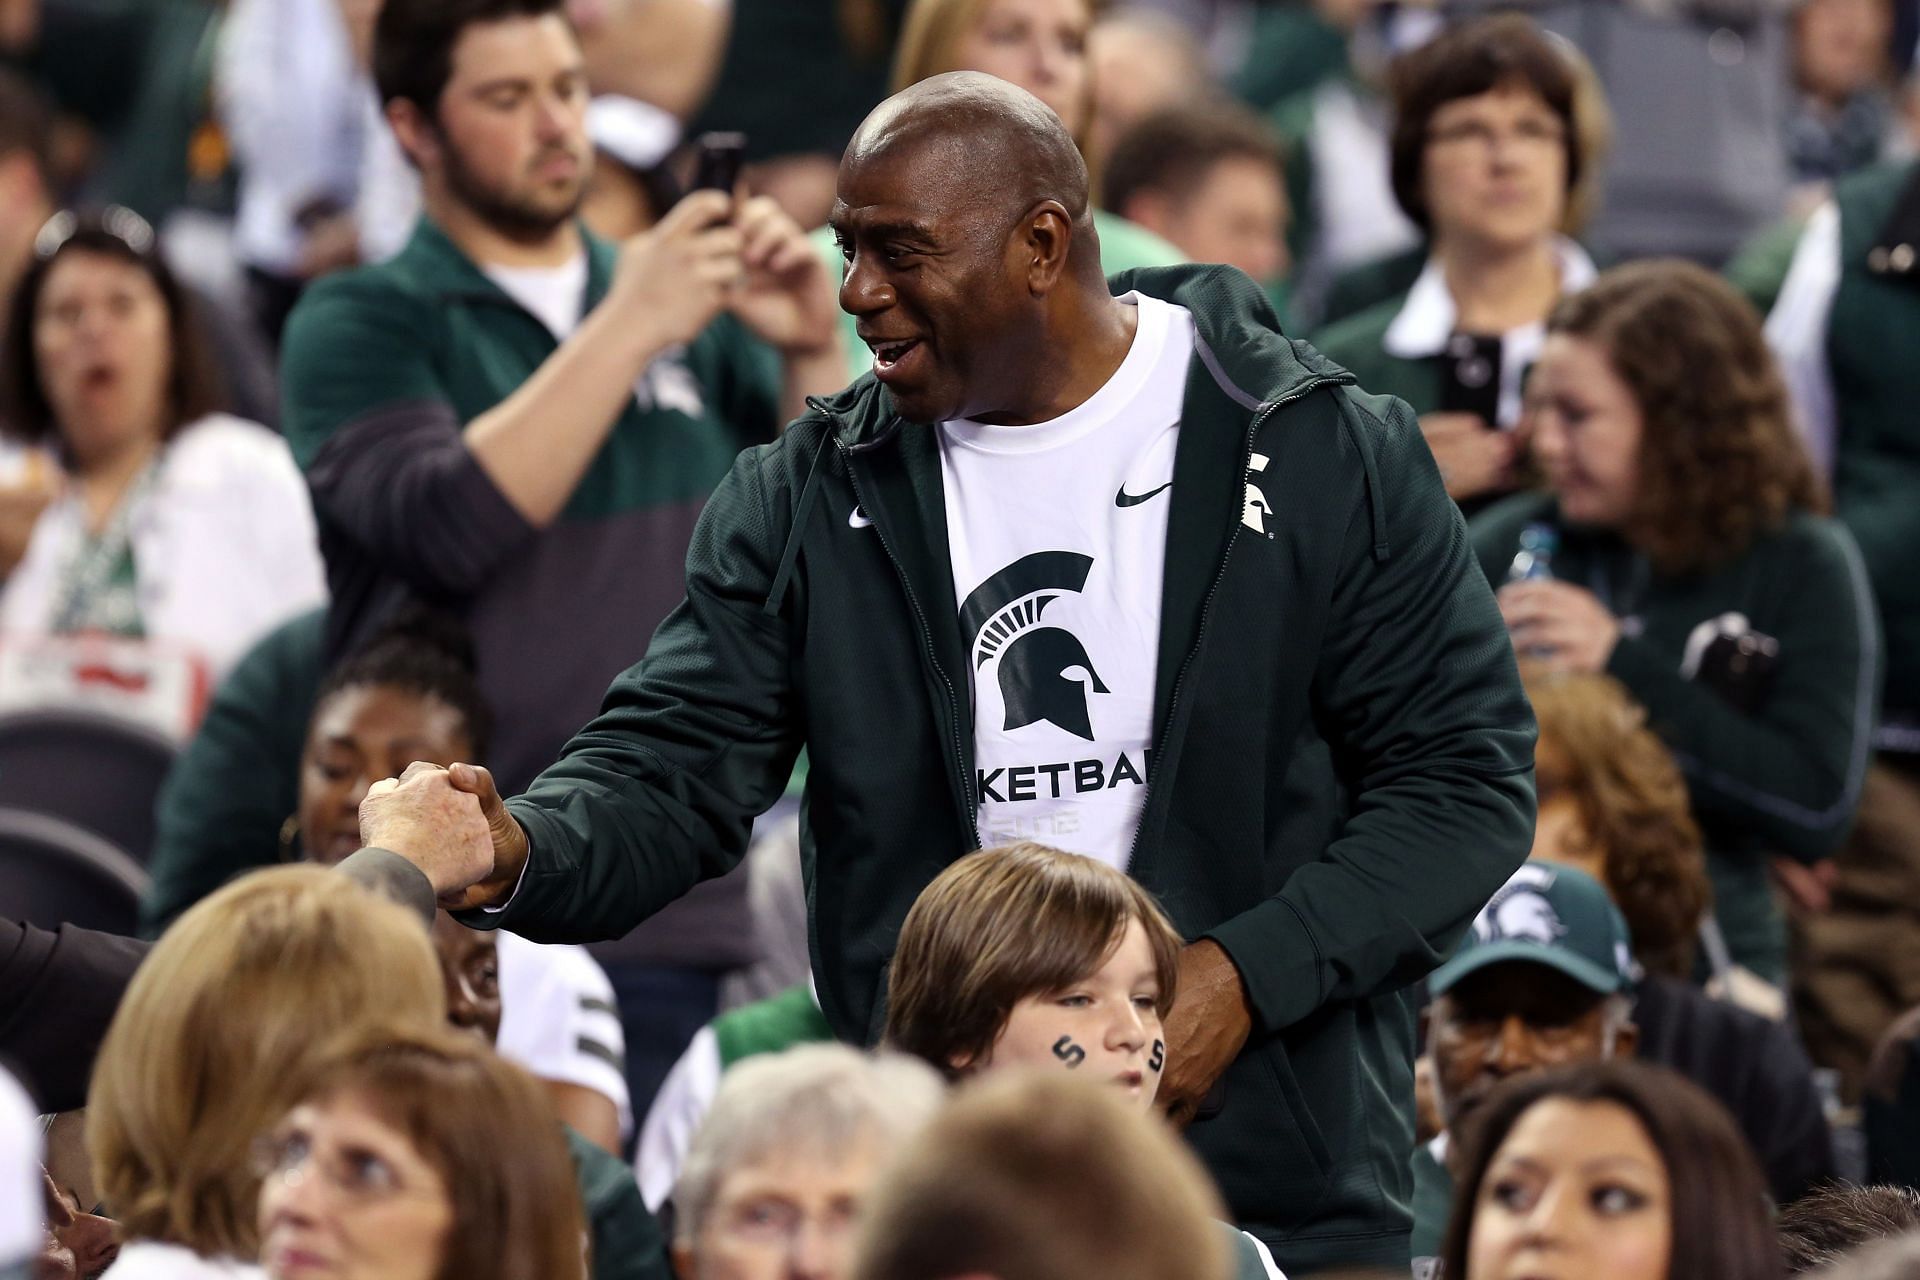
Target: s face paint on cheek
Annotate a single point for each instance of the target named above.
(1158, 1058)
(1068, 1052)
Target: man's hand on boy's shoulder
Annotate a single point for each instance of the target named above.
(1205, 1031)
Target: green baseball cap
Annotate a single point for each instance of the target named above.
(1553, 915)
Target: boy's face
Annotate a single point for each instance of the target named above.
(1106, 1027)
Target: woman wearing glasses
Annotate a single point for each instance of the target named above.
(419, 1155)
(175, 523)
(218, 1035)
(1496, 134)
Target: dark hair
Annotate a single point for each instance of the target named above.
(1824, 1226)
(25, 122)
(1721, 1228)
(1477, 57)
(193, 380)
(426, 653)
(413, 43)
(1003, 924)
(1720, 462)
(1172, 151)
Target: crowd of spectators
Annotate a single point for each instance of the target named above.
(366, 369)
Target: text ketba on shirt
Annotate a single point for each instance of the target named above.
(1066, 778)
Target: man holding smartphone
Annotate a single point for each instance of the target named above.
(518, 422)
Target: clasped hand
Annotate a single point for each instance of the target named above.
(450, 823)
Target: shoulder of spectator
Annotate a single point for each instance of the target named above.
(1356, 338)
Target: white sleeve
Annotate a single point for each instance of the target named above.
(21, 1221)
(684, 1099)
(1797, 332)
(1266, 1258)
(558, 1019)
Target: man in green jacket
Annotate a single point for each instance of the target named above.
(1279, 695)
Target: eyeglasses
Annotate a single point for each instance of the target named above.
(1530, 135)
(359, 1175)
(116, 220)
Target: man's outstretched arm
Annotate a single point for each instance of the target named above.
(659, 791)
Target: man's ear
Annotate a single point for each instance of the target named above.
(1626, 1040)
(418, 138)
(1047, 241)
(682, 1256)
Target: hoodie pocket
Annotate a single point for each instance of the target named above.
(1264, 1146)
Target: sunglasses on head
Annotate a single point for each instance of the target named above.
(118, 221)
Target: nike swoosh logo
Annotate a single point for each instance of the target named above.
(857, 519)
(1125, 499)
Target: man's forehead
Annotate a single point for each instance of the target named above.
(515, 46)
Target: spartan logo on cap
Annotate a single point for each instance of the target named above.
(1002, 619)
(1520, 911)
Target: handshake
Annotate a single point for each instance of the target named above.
(450, 823)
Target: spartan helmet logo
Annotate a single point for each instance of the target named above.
(1520, 909)
(1002, 619)
(1254, 514)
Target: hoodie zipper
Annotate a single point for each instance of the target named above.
(971, 806)
(1206, 605)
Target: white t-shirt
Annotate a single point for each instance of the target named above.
(557, 296)
(1058, 534)
(558, 1019)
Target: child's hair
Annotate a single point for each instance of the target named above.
(1004, 924)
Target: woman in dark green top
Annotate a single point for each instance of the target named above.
(1690, 558)
(1497, 132)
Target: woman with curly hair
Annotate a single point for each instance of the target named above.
(1613, 804)
(1681, 547)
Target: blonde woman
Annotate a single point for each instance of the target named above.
(215, 1041)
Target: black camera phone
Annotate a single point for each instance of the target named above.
(1470, 377)
(719, 158)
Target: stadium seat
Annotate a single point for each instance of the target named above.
(54, 873)
(95, 771)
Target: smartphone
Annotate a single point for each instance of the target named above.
(1470, 377)
(717, 167)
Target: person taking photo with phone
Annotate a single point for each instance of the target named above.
(519, 422)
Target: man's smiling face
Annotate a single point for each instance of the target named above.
(934, 278)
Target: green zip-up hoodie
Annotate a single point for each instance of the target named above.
(1342, 765)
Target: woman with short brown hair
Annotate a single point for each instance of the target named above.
(442, 1160)
(1681, 549)
(1498, 131)
(215, 1039)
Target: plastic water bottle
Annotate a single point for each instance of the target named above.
(1535, 557)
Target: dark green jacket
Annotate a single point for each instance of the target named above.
(1432, 1202)
(627, 1243)
(1342, 770)
(1358, 343)
(1871, 335)
(1783, 780)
